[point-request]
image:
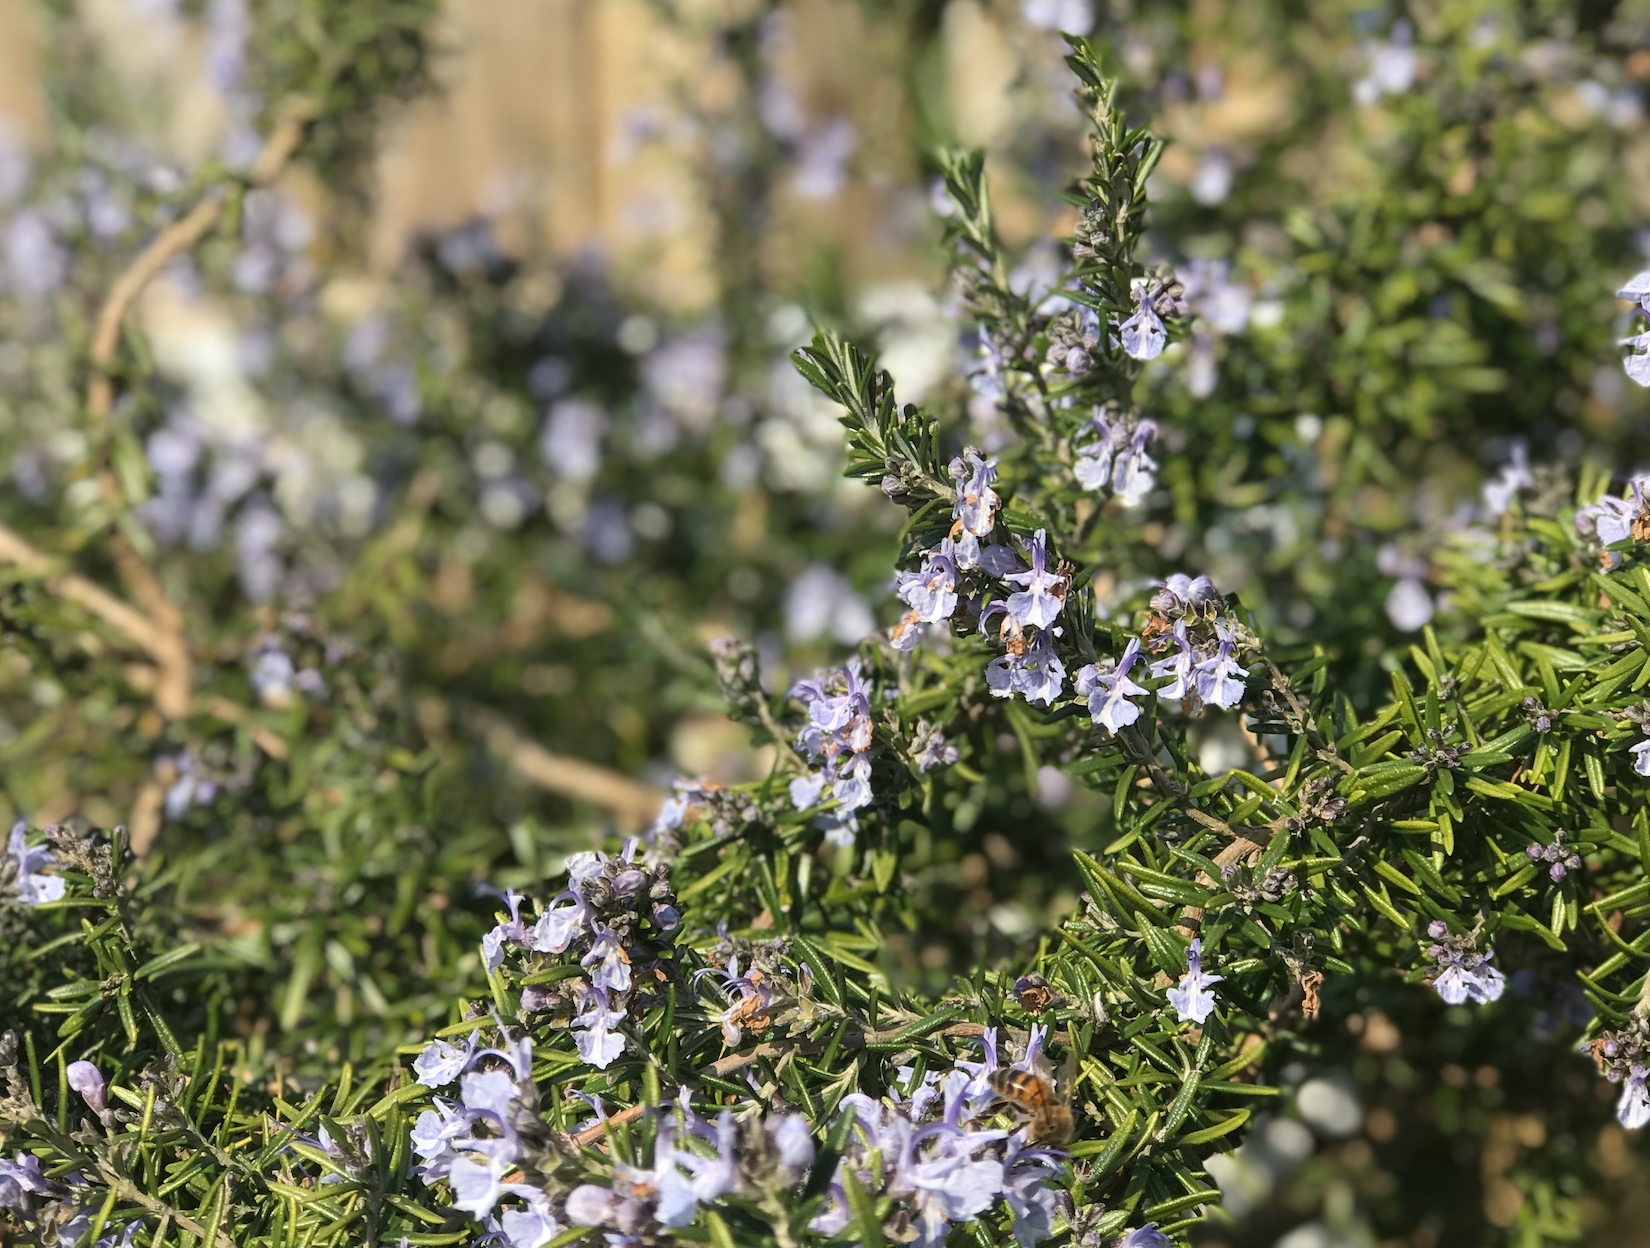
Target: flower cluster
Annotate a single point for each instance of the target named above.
(756, 985)
(1560, 858)
(694, 1163)
(1462, 974)
(837, 735)
(1623, 1057)
(1029, 667)
(1612, 520)
(1637, 292)
(928, 1148)
(22, 870)
(1189, 615)
(612, 917)
(1117, 458)
(478, 1142)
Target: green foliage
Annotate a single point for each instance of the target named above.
(1344, 829)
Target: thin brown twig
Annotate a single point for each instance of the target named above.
(127, 1190)
(71, 587)
(166, 637)
(628, 800)
(174, 241)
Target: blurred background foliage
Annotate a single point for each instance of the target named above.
(452, 448)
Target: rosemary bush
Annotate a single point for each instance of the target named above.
(359, 992)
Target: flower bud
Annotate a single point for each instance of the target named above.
(87, 1080)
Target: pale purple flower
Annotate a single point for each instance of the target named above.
(1610, 520)
(669, 1193)
(932, 592)
(69, 1233)
(1025, 1188)
(1037, 604)
(1637, 365)
(1142, 335)
(561, 922)
(514, 931)
(821, 162)
(677, 1203)
(590, 1205)
(1135, 473)
(979, 1073)
(1191, 998)
(806, 790)
(1178, 665)
(19, 1179)
(1637, 289)
(714, 1177)
(1223, 304)
(112, 1240)
(432, 1138)
(1641, 757)
(1037, 675)
(1073, 17)
(87, 1080)
(822, 602)
(794, 1142)
(35, 263)
(488, 1091)
(739, 989)
(907, 634)
(1390, 67)
(1216, 676)
(572, 440)
(1468, 977)
(440, 1063)
(1633, 1109)
(477, 1184)
(33, 888)
(1108, 693)
(1408, 605)
(607, 954)
(1001, 561)
(1093, 466)
(528, 1228)
(598, 1044)
(951, 1187)
(1118, 459)
(838, 732)
(1147, 1236)
(977, 503)
(1212, 180)
(852, 787)
(935, 753)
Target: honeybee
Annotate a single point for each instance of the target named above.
(1048, 1118)
(1033, 993)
